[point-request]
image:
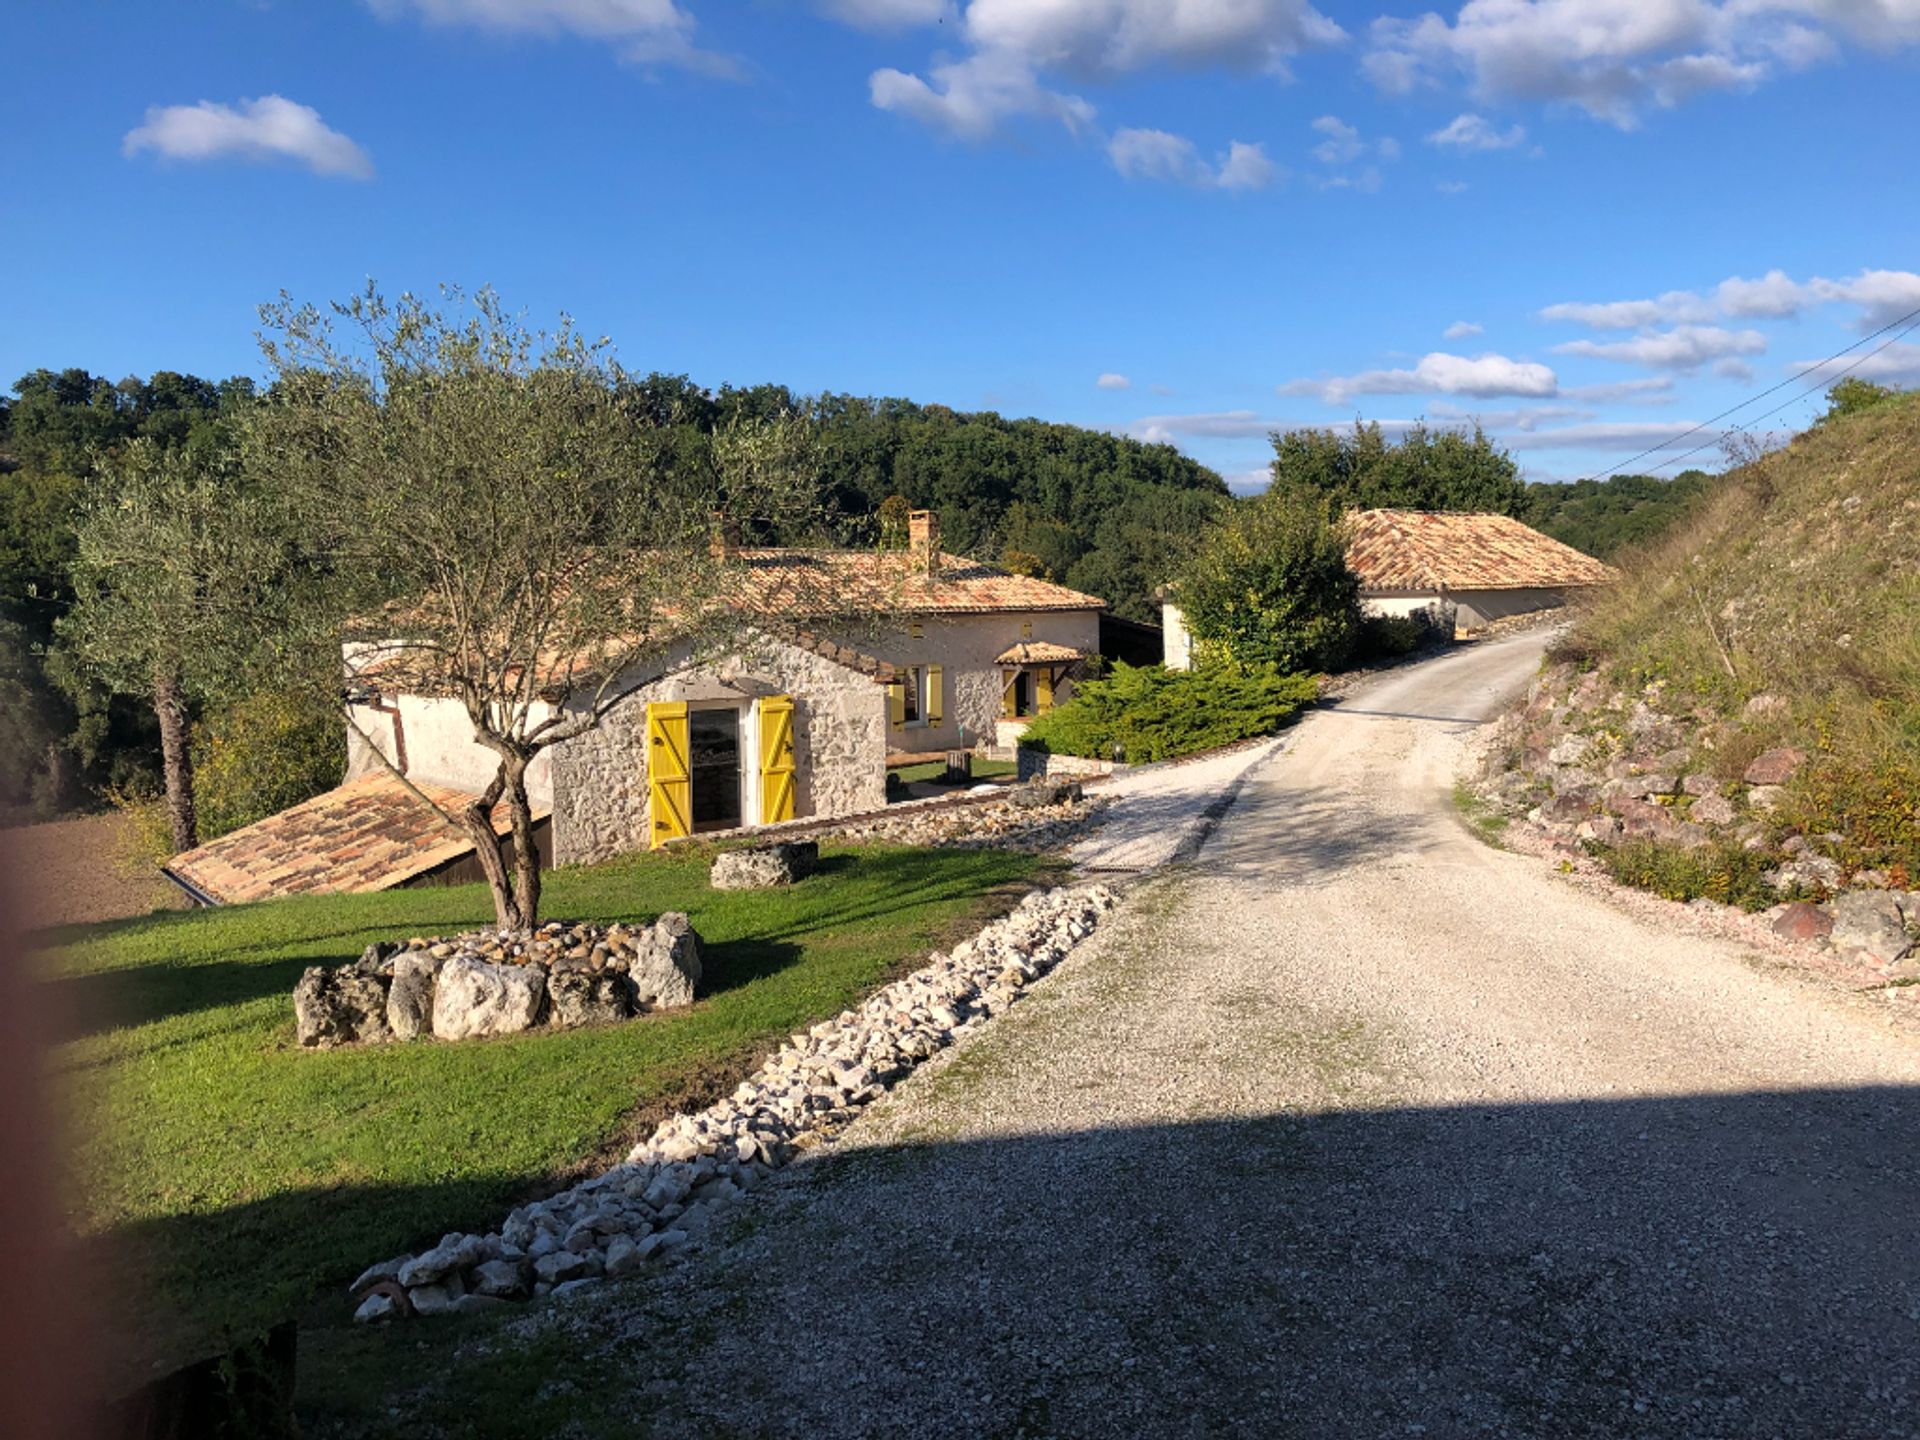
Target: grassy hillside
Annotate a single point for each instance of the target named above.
(1784, 610)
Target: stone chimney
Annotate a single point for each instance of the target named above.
(923, 539)
(724, 542)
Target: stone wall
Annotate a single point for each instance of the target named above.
(965, 647)
(840, 729)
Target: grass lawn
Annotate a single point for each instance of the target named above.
(225, 1178)
(935, 770)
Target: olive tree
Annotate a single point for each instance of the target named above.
(183, 574)
(502, 525)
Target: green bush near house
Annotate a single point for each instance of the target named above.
(224, 1178)
(1141, 713)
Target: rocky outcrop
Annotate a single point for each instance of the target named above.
(496, 983)
(762, 867)
(675, 1185)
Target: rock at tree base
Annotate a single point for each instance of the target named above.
(340, 1007)
(410, 998)
(761, 867)
(475, 998)
(665, 968)
(581, 997)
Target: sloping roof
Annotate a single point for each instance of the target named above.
(368, 834)
(1414, 550)
(855, 660)
(796, 583)
(1038, 652)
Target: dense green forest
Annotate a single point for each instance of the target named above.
(1609, 517)
(1090, 509)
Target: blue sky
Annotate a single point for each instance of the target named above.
(1240, 213)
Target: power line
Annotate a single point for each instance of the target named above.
(1790, 380)
(1825, 383)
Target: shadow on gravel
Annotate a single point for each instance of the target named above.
(1715, 1265)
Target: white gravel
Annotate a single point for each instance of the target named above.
(1162, 812)
(1353, 1127)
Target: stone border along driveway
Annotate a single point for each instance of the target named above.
(694, 1167)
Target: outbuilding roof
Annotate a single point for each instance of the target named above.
(372, 833)
(1038, 652)
(797, 583)
(1416, 550)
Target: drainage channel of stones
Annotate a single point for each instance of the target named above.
(673, 1186)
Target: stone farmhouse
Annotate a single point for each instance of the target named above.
(1480, 568)
(919, 651)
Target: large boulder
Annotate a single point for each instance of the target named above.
(761, 867)
(588, 997)
(1869, 920)
(340, 1006)
(1038, 794)
(474, 998)
(665, 968)
(410, 997)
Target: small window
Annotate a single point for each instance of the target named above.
(916, 629)
(914, 683)
(1026, 629)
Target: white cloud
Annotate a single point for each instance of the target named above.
(1686, 347)
(887, 14)
(1112, 381)
(269, 128)
(1367, 181)
(1473, 132)
(1112, 37)
(1451, 187)
(1649, 390)
(1483, 377)
(1610, 435)
(1014, 43)
(1882, 295)
(642, 32)
(1161, 155)
(1506, 420)
(1460, 329)
(1674, 307)
(1617, 58)
(1208, 425)
(1898, 364)
(1343, 144)
(1732, 369)
(972, 97)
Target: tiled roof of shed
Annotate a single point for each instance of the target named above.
(1414, 550)
(372, 833)
(1038, 652)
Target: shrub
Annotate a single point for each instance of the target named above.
(1269, 585)
(1386, 637)
(1142, 713)
(257, 756)
(1723, 872)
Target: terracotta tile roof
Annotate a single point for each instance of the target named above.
(1038, 652)
(1413, 550)
(369, 834)
(833, 582)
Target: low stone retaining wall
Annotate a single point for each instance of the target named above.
(1036, 764)
(490, 982)
(675, 1185)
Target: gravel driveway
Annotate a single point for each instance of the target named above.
(1354, 1126)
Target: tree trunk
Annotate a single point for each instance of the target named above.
(490, 850)
(176, 758)
(526, 858)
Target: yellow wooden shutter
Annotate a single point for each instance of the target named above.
(935, 701)
(777, 779)
(1043, 691)
(897, 704)
(1010, 697)
(669, 781)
